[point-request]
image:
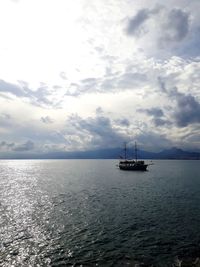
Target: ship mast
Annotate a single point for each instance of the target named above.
(125, 150)
(135, 151)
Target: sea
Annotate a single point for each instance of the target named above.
(90, 213)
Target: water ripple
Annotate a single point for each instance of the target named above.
(55, 214)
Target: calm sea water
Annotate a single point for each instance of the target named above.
(89, 213)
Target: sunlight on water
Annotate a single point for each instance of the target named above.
(89, 213)
(25, 211)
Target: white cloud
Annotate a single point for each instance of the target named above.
(60, 58)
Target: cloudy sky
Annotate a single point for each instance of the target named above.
(87, 74)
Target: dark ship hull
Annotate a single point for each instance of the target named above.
(133, 166)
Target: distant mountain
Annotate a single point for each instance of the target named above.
(177, 153)
(172, 153)
(112, 153)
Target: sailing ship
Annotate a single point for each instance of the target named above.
(132, 164)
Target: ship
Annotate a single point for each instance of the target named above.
(132, 164)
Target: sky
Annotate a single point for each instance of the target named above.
(90, 74)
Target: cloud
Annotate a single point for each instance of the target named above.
(46, 120)
(27, 146)
(175, 28)
(5, 119)
(156, 112)
(109, 83)
(103, 132)
(191, 48)
(161, 84)
(136, 23)
(95, 132)
(130, 80)
(84, 86)
(162, 28)
(63, 75)
(6, 146)
(120, 81)
(160, 122)
(123, 122)
(124, 51)
(38, 97)
(99, 110)
(153, 141)
(89, 84)
(188, 108)
(12, 89)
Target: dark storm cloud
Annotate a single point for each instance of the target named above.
(156, 112)
(176, 27)
(153, 140)
(29, 145)
(191, 47)
(173, 26)
(160, 122)
(187, 110)
(100, 130)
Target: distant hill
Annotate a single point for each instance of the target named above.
(112, 153)
(177, 153)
